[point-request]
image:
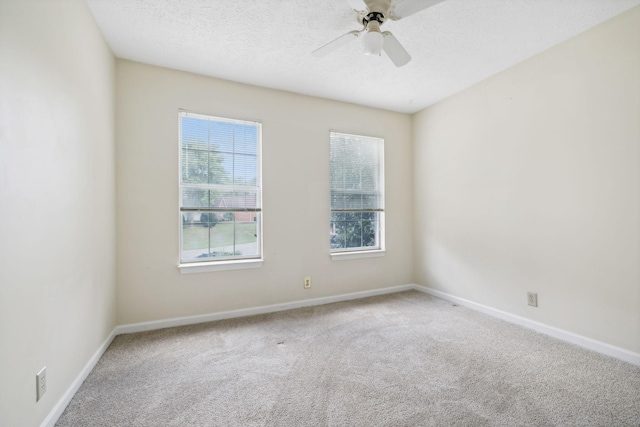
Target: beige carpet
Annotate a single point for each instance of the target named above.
(404, 359)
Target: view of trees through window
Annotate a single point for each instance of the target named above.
(220, 188)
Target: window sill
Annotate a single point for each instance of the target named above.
(341, 256)
(203, 267)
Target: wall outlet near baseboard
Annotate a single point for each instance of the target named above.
(532, 299)
(41, 383)
(307, 282)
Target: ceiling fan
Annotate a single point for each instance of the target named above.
(372, 14)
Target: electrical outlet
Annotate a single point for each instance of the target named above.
(532, 299)
(307, 282)
(41, 383)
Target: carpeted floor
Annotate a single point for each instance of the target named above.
(405, 359)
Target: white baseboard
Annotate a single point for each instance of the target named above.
(191, 320)
(60, 406)
(561, 334)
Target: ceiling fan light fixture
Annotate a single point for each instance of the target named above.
(373, 39)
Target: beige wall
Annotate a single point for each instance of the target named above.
(57, 244)
(530, 181)
(296, 196)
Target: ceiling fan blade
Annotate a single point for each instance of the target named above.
(392, 47)
(403, 8)
(357, 4)
(335, 44)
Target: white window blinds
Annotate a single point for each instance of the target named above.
(356, 173)
(220, 167)
(220, 188)
(357, 193)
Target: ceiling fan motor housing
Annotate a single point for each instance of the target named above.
(373, 16)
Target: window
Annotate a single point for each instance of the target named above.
(220, 190)
(357, 193)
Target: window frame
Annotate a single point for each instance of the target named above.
(233, 262)
(338, 254)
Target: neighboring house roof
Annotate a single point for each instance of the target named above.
(242, 201)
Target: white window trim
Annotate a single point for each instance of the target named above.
(204, 267)
(343, 256)
(229, 263)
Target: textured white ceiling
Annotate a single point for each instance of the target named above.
(454, 44)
